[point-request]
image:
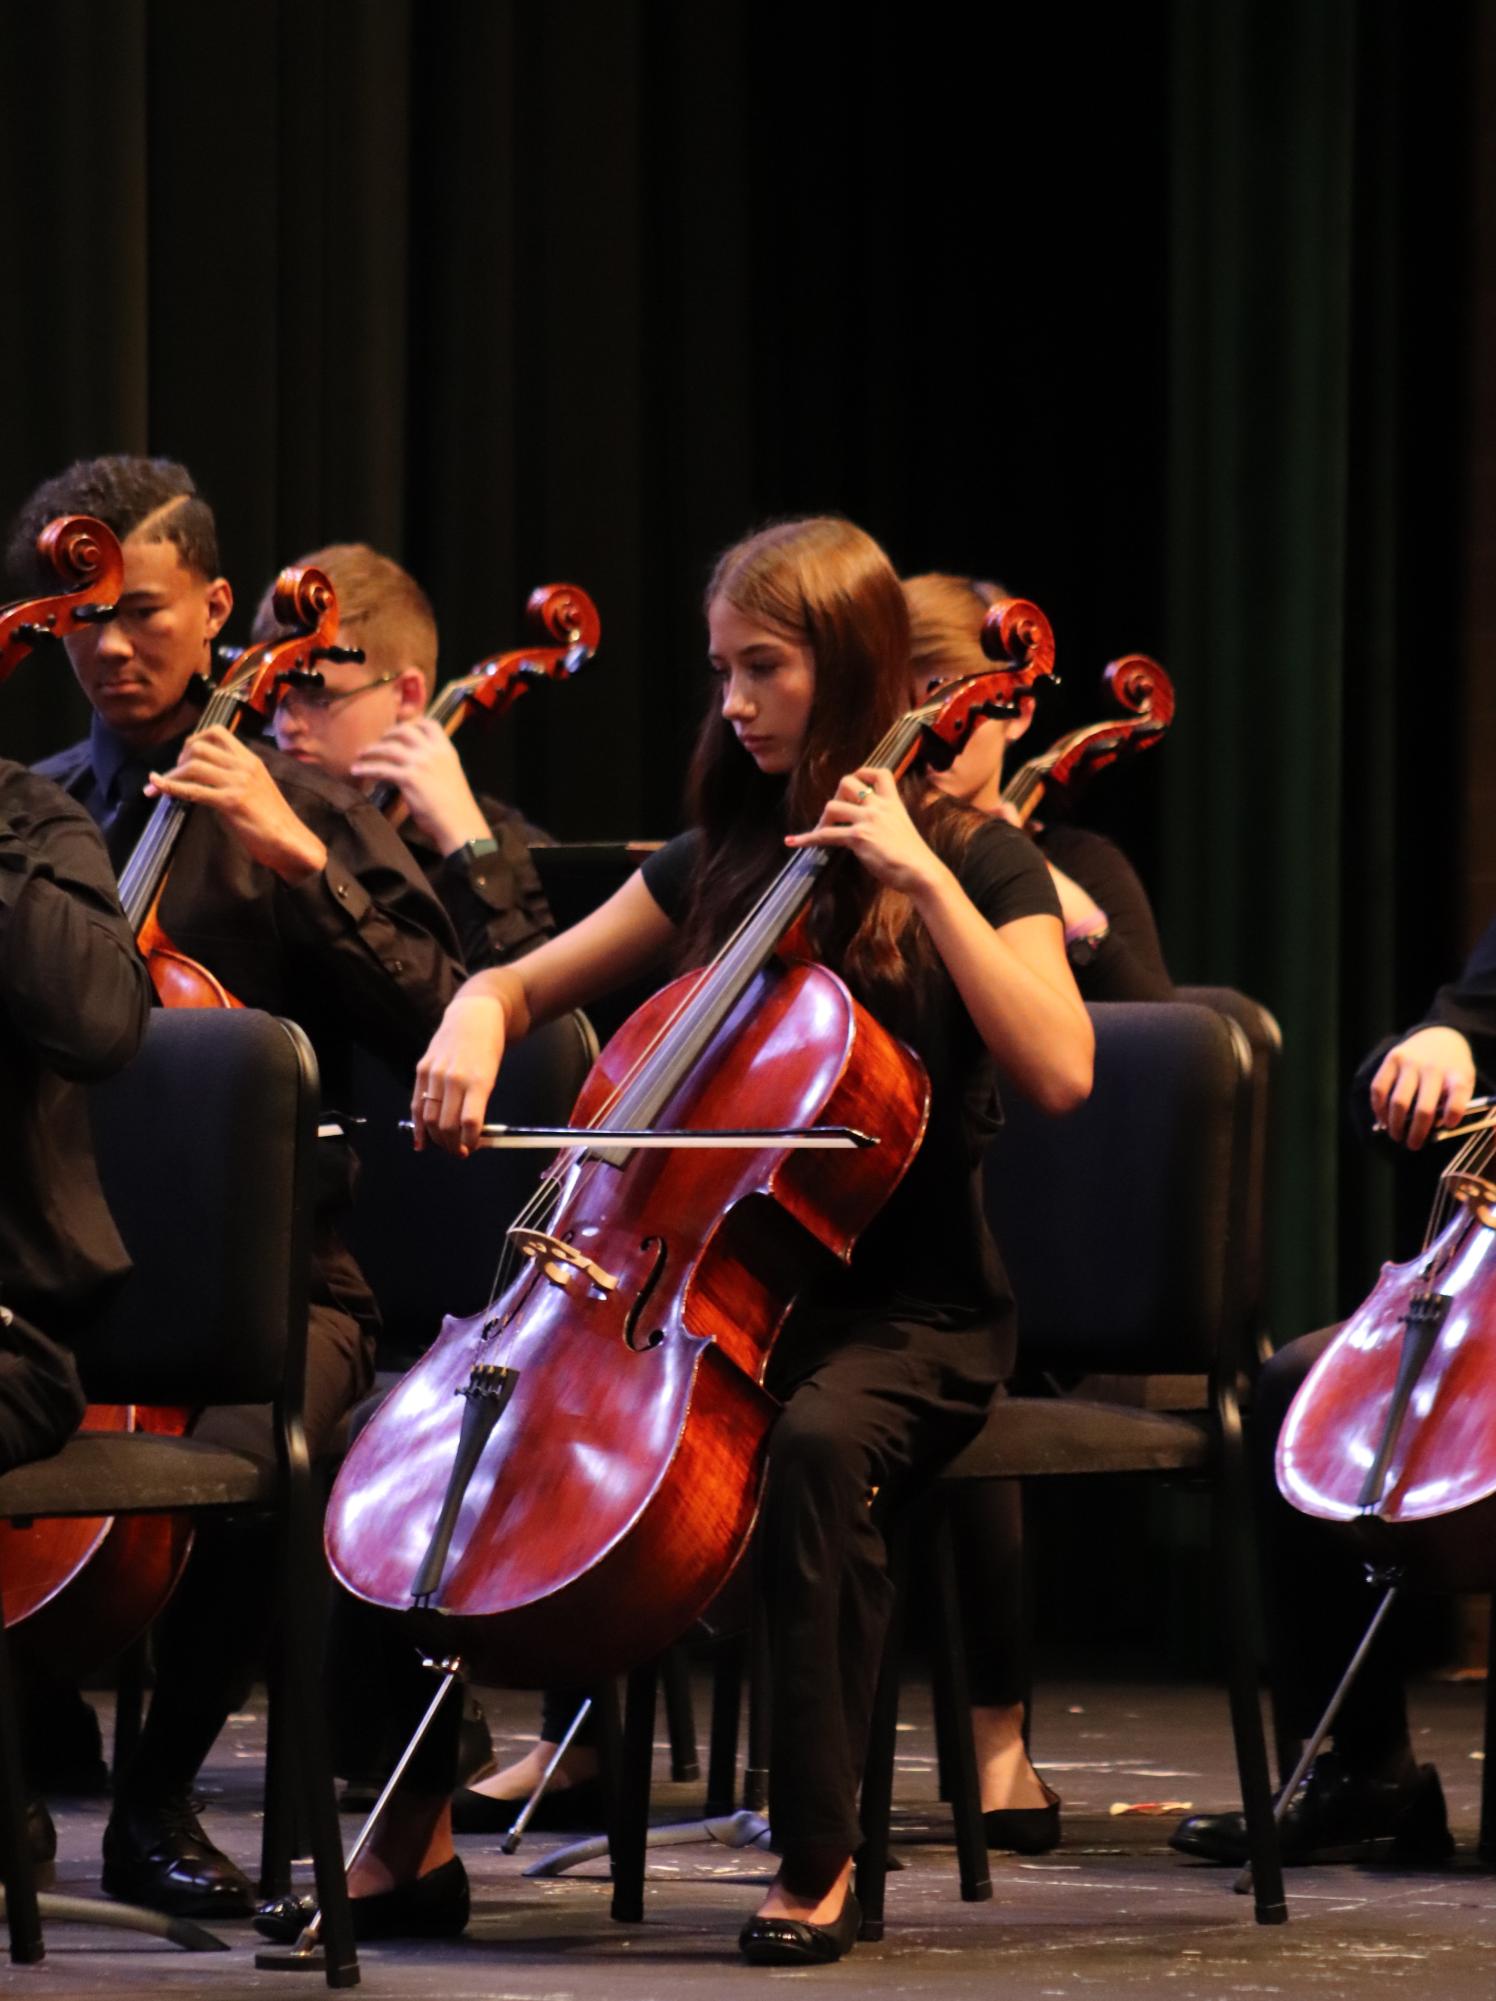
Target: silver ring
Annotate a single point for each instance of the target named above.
(865, 793)
(431, 1097)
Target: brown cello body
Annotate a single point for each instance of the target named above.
(1393, 1432)
(622, 1479)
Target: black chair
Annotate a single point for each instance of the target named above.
(1123, 1230)
(1265, 1040)
(206, 1148)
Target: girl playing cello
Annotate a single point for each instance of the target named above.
(946, 927)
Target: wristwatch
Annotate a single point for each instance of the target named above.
(472, 852)
(1081, 947)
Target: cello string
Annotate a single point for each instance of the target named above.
(740, 954)
(745, 943)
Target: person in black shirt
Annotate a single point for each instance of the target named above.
(74, 999)
(1112, 941)
(946, 926)
(1110, 930)
(1370, 1788)
(367, 724)
(299, 897)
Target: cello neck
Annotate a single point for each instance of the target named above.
(644, 1095)
(1025, 789)
(143, 874)
(448, 707)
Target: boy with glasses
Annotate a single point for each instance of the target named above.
(367, 723)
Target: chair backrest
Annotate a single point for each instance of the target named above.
(427, 1229)
(1265, 1040)
(1121, 1224)
(205, 1145)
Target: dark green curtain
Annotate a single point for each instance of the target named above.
(1318, 451)
(585, 289)
(1153, 312)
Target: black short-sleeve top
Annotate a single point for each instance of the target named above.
(929, 1256)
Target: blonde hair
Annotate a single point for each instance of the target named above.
(945, 626)
(380, 608)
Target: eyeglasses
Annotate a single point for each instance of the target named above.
(300, 700)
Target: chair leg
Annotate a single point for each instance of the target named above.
(675, 1673)
(877, 1778)
(760, 1670)
(278, 1843)
(1487, 1849)
(129, 1700)
(952, 1693)
(302, 1628)
(629, 1825)
(22, 1917)
(727, 1704)
(1238, 1573)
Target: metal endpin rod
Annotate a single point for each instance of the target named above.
(515, 1835)
(449, 1671)
(1310, 1751)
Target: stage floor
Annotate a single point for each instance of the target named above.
(1110, 1913)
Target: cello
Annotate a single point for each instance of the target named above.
(1392, 1434)
(561, 612)
(89, 562)
(565, 1480)
(305, 603)
(1144, 693)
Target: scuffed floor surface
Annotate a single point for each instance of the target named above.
(1111, 1913)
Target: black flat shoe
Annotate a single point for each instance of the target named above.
(1025, 1830)
(1338, 1815)
(562, 1810)
(436, 1905)
(159, 1856)
(791, 1942)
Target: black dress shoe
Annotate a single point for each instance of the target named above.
(157, 1854)
(1025, 1830)
(562, 1810)
(1338, 1815)
(791, 1942)
(436, 1905)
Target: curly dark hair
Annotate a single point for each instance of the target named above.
(125, 492)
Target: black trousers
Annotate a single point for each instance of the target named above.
(41, 1399)
(870, 1404)
(211, 1636)
(1319, 1602)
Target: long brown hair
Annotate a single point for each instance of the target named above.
(825, 584)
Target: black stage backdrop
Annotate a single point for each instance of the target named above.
(1156, 313)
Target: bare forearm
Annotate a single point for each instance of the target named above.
(1019, 992)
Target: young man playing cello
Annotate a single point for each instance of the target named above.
(1370, 1788)
(367, 724)
(298, 896)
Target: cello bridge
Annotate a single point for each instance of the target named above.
(558, 1256)
(1476, 1193)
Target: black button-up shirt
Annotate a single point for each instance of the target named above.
(362, 951)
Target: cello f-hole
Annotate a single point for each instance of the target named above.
(642, 1299)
